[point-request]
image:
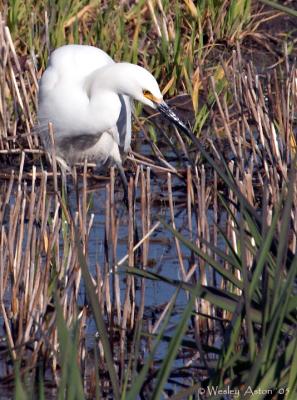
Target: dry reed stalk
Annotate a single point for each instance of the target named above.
(19, 86)
(190, 201)
(145, 219)
(137, 245)
(132, 228)
(114, 223)
(129, 300)
(177, 244)
(155, 168)
(144, 216)
(162, 160)
(226, 122)
(83, 350)
(183, 145)
(100, 286)
(215, 224)
(164, 21)
(33, 87)
(5, 204)
(21, 169)
(149, 198)
(154, 18)
(28, 243)
(154, 328)
(202, 201)
(193, 264)
(83, 209)
(53, 160)
(26, 105)
(5, 316)
(31, 234)
(107, 266)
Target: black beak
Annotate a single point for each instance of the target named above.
(172, 117)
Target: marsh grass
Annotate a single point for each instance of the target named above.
(172, 39)
(227, 205)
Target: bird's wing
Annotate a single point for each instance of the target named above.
(79, 143)
(124, 124)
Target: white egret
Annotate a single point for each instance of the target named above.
(87, 97)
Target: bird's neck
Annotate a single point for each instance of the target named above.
(101, 79)
(109, 78)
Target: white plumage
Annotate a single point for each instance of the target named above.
(86, 96)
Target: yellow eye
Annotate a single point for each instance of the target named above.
(147, 94)
(151, 97)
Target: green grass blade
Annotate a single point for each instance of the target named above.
(284, 231)
(99, 320)
(167, 363)
(272, 376)
(280, 7)
(138, 382)
(218, 297)
(292, 383)
(262, 255)
(269, 347)
(211, 261)
(70, 383)
(19, 389)
(247, 298)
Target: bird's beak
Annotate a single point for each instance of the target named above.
(172, 117)
(169, 114)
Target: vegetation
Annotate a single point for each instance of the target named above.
(77, 316)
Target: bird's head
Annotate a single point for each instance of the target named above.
(141, 85)
(136, 82)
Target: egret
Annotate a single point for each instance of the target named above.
(87, 97)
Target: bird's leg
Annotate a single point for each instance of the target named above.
(125, 184)
(126, 198)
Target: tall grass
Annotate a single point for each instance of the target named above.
(172, 39)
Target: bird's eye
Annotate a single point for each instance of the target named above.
(147, 94)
